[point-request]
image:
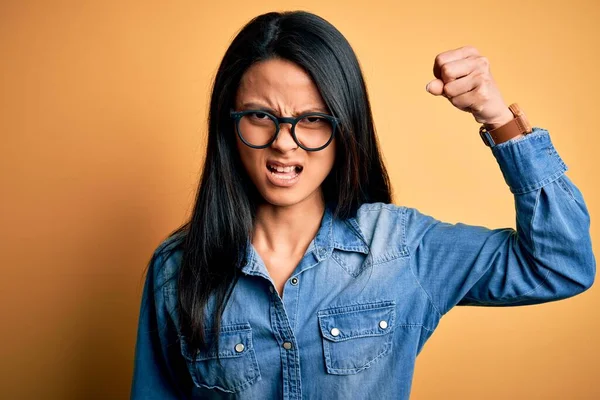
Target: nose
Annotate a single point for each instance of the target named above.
(284, 142)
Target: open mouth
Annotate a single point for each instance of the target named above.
(284, 174)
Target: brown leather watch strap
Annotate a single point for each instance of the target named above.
(515, 127)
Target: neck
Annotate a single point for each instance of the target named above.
(288, 230)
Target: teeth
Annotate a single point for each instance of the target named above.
(279, 168)
(285, 177)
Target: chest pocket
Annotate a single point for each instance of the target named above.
(238, 367)
(356, 336)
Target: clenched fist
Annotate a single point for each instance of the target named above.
(464, 78)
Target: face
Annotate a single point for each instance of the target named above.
(284, 173)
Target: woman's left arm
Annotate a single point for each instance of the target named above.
(548, 257)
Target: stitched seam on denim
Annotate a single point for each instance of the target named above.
(324, 315)
(242, 385)
(539, 134)
(347, 268)
(339, 262)
(340, 339)
(519, 297)
(380, 206)
(388, 346)
(353, 225)
(390, 256)
(565, 187)
(297, 306)
(344, 247)
(535, 207)
(327, 352)
(255, 374)
(395, 254)
(425, 291)
(357, 307)
(533, 214)
(280, 333)
(542, 183)
(419, 282)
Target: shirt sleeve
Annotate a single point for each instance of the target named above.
(547, 258)
(157, 371)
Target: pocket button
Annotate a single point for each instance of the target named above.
(335, 332)
(239, 347)
(383, 324)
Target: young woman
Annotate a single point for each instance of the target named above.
(295, 277)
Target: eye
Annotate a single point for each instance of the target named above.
(313, 119)
(259, 115)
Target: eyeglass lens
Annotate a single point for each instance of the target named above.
(312, 131)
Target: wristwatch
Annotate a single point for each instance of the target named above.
(515, 127)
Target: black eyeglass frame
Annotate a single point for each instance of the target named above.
(237, 116)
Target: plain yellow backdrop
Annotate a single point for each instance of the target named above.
(103, 110)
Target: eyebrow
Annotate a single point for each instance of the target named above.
(262, 107)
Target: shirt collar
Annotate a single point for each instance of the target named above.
(334, 233)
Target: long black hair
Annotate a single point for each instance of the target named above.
(219, 230)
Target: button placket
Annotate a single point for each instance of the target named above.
(290, 360)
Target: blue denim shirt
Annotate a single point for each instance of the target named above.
(369, 292)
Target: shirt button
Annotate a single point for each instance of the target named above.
(383, 324)
(239, 347)
(287, 345)
(335, 332)
(294, 281)
(271, 289)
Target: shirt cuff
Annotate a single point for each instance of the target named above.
(529, 162)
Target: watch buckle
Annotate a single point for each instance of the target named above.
(486, 137)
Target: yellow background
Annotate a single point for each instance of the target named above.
(102, 115)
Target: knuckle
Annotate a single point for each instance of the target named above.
(449, 91)
(472, 49)
(484, 61)
(483, 93)
(446, 71)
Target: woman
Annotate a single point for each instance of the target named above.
(296, 277)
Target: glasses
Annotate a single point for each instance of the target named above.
(311, 131)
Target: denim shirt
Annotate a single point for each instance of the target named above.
(369, 292)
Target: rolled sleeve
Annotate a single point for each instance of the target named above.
(529, 163)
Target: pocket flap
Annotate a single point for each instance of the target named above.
(234, 341)
(354, 321)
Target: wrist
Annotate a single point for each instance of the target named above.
(505, 127)
(505, 118)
